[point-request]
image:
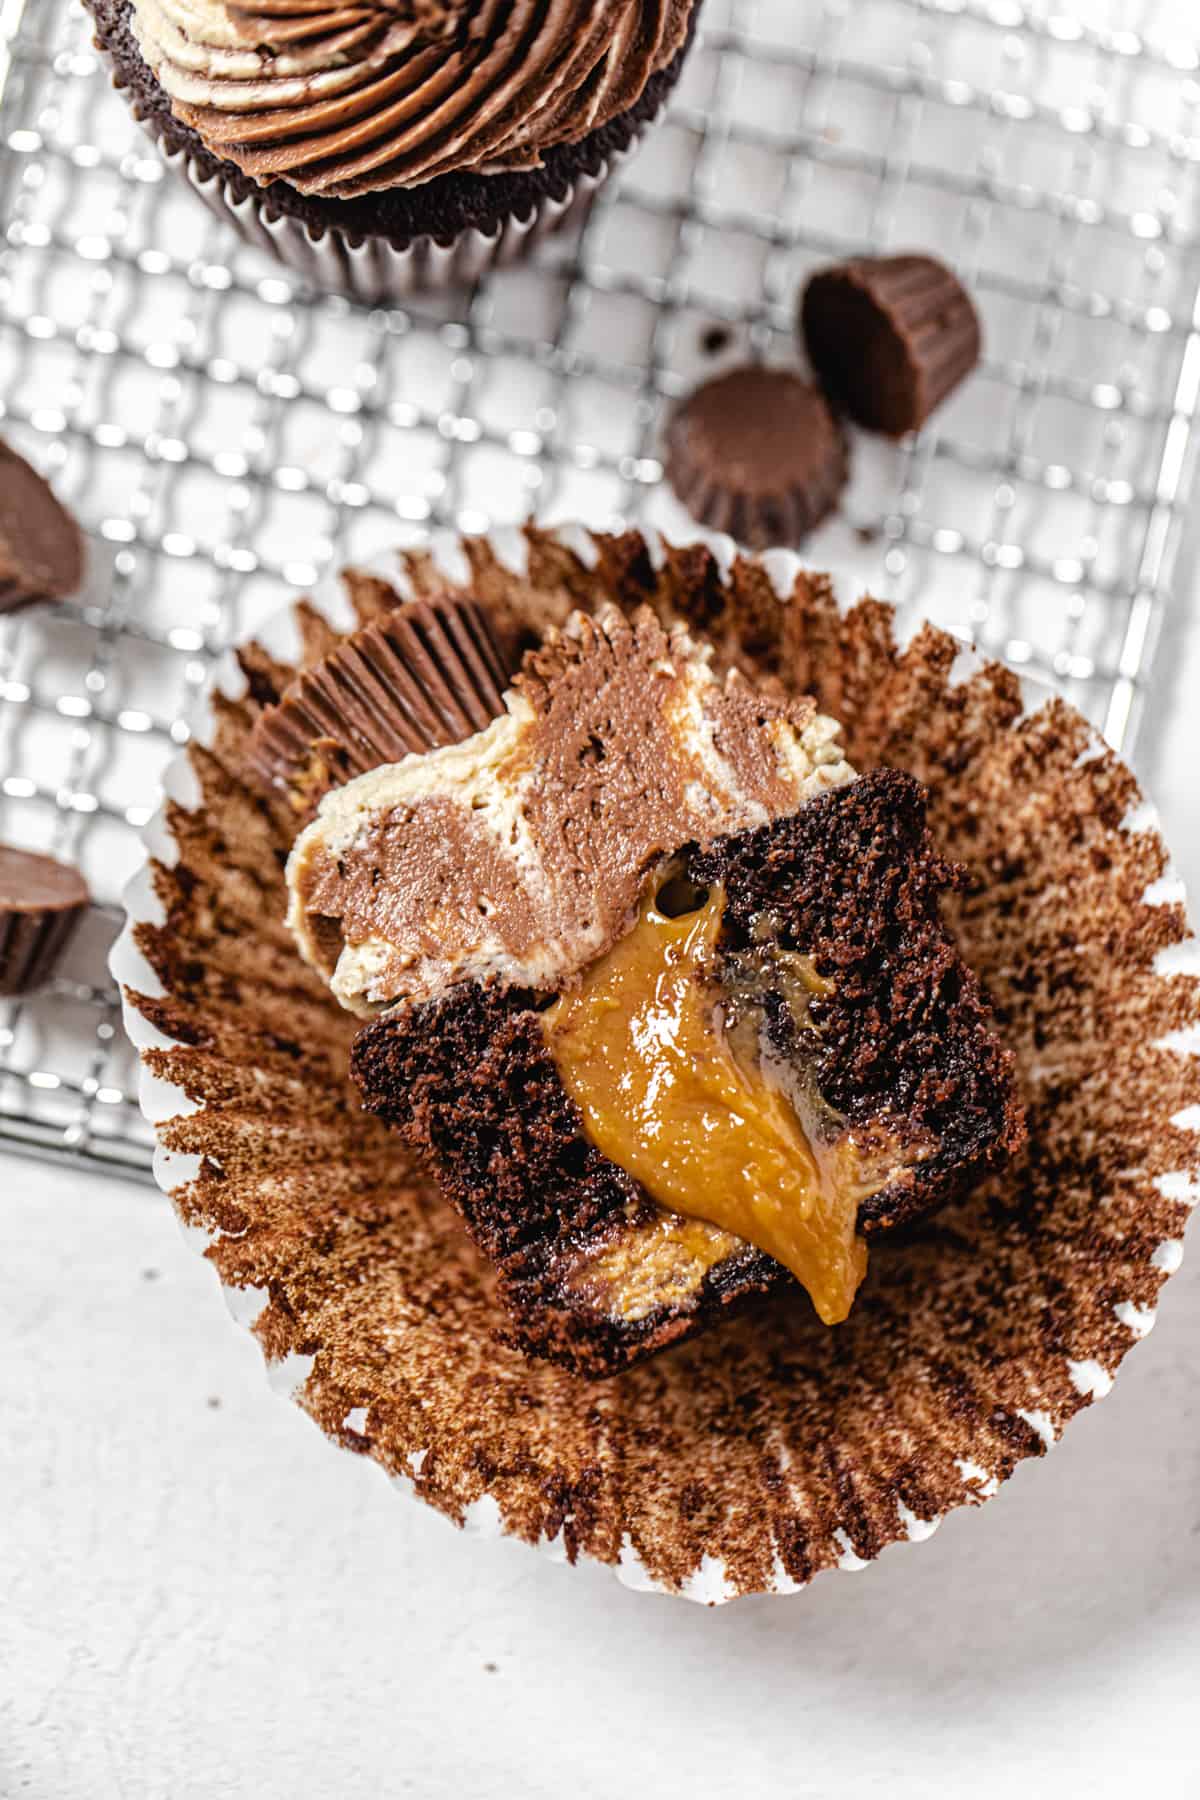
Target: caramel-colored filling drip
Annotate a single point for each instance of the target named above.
(697, 1114)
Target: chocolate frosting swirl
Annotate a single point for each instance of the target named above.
(347, 97)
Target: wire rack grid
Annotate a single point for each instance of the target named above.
(224, 436)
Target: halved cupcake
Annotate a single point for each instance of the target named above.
(662, 991)
(755, 1454)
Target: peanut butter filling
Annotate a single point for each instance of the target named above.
(666, 1065)
(658, 1263)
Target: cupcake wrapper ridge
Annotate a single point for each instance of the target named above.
(971, 1368)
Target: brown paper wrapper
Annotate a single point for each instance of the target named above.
(772, 1448)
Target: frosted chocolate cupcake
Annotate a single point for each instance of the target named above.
(661, 992)
(377, 147)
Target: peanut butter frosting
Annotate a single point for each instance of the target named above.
(522, 854)
(343, 99)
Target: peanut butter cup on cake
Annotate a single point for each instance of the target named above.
(659, 988)
(430, 673)
(390, 144)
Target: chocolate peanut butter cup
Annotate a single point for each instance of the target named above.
(889, 338)
(41, 551)
(757, 453)
(41, 904)
(432, 673)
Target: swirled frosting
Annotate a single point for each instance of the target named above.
(358, 97)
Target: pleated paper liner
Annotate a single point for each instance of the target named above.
(428, 674)
(772, 1448)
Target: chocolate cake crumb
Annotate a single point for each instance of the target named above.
(852, 881)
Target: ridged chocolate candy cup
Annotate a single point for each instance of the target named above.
(41, 904)
(431, 673)
(41, 549)
(756, 453)
(890, 338)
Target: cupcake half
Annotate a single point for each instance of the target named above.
(772, 1446)
(379, 149)
(660, 991)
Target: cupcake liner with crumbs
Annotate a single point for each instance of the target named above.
(754, 1457)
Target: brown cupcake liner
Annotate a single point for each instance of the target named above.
(752, 1458)
(429, 674)
(373, 270)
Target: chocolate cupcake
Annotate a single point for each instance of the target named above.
(429, 674)
(41, 551)
(757, 453)
(379, 149)
(41, 904)
(889, 338)
(660, 1055)
(772, 1447)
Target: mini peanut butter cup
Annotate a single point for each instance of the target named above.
(41, 903)
(758, 454)
(430, 674)
(889, 338)
(41, 551)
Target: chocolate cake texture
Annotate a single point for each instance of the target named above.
(903, 1038)
(752, 1457)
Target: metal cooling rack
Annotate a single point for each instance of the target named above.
(224, 436)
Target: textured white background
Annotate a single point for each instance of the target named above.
(199, 1597)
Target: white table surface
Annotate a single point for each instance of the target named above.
(199, 1597)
